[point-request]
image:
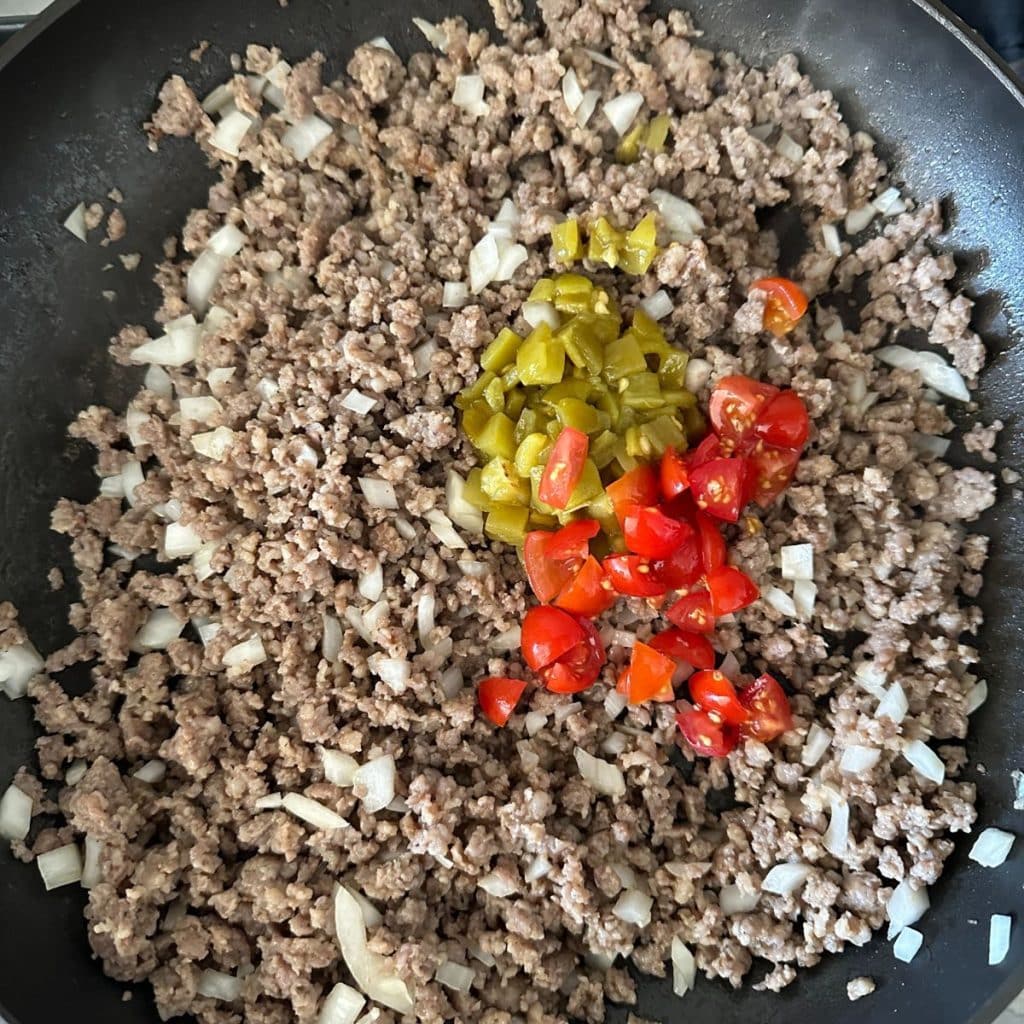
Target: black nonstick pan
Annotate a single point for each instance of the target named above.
(74, 90)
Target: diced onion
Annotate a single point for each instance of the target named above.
(834, 332)
(230, 131)
(798, 562)
(604, 59)
(585, 111)
(151, 772)
(976, 696)
(482, 955)
(206, 628)
(615, 744)
(200, 410)
(622, 110)
(682, 219)
(395, 672)
(510, 259)
(62, 866)
(378, 493)
(496, 885)
(15, 813)
(534, 721)
(837, 835)
(454, 294)
(371, 582)
(537, 313)
(134, 419)
(889, 203)
(857, 220)
(339, 768)
(780, 601)
(468, 92)
(381, 43)
(158, 630)
(924, 760)
(999, 938)
(181, 541)
(425, 618)
(935, 371)
(247, 654)
(929, 444)
(372, 917)
(214, 444)
(626, 875)
(658, 306)
(761, 132)
(157, 381)
(18, 665)
(172, 349)
(202, 279)
(634, 907)
(509, 640)
(76, 771)
(451, 681)
(872, 678)
(907, 944)
(789, 148)
(684, 968)
(218, 99)
(906, 906)
(226, 241)
(815, 745)
(202, 560)
(75, 222)
(218, 985)
(376, 615)
(303, 137)
(604, 777)
(132, 477)
(572, 92)
(92, 871)
(785, 879)
(376, 779)
(893, 705)
(698, 373)
(461, 511)
(357, 402)
(342, 1005)
(858, 759)
(992, 847)
(312, 812)
(614, 704)
(441, 527)
(423, 357)
(734, 900)
(539, 868)
(830, 236)
(454, 976)
(805, 593)
(433, 34)
(270, 802)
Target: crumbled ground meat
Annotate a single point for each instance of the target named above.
(337, 284)
(859, 987)
(116, 225)
(130, 260)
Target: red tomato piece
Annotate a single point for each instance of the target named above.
(731, 589)
(553, 559)
(681, 507)
(571, 541)
(589, 593)
(672, 472)
(771, 470)
(547, 634)
(710, 448)
(694, 649)
(708, 738)
(651, 533)
(768, 708)
(683, 567)
(564, 467)
(734, 408)
(714, 694)
(783, 422)
(720, 487)
(633, 576)
(649, 673)
(580, 666)
(692, 612)
(498, 697)
(637, 487)
(786, 303)
(712, 543)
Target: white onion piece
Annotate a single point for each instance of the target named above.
(151, 772)
(312, 812)
(789, 148)
(381, 43)
(92, 872)
(433, 34)
(785, 879)
(76, 771)
(158, 630)
(202, 279)
(572, 92)
(857, 220)
(483, 263)
(454, 294)
(134, 419)
(889, 202)
(815, 745)
(357, 402)
(342, 1005)
(603, 777)
(218, 99)
(830, 236)
(837, 835)
(371, 582)
(615, 744)
(507, 641)
(614, 704)
(112, 486)
(158, 381)
(200, 410)
(423, 357)
(924, 760)
(730, 667)
(893, 705)
(761, 132)
(75, 222)
(267, 388)
(658, 306)
(131, 477)
(213, 444)
(780, 601)
(834, 332)
(604, 59)
(907, 944)
(376, 781)
(226, 241)
(461, 511)
(999, 938)
(425, 618)
(394, 672)
(935, 371)
(270, 802)
(625, 874)
(537, 313)
(372, 917)
(62, 866)
(510, 259)
(330, 646)
(339, 768)
(303, 137)
(976, 696)
(230, 131)
(682, 219)
(15, 813)
(906, 906)
(634, 907)
(698, 373)
(218, 985)
(992, 847)
(441, 527)
(454, 976)
(872, 678)
(482, 955)
(539, 868)
(734, 900)
(451, 681)
(202, 560)
(468, 92)
(18, 665)
(684, 968)
(585, 111)
(173, 349)
(929, 444)
(496, 885)
(246, 655)
(534, 721)
(798, 562)
(378, 493)
(805, 593)
(181, 541)
(858, 759)
(206, 628)
(376, 615)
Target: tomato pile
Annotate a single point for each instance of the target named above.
(670, 514)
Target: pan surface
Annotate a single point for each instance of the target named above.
(74, 90)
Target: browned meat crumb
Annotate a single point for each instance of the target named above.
(55, 578)
(859, 987)
(116, 195)
(109, 295)
(93, 216)
(116, 225)
(130, 260)
(981, 439)
(199, 51)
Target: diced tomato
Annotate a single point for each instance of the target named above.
(649, 673)
(786, 303)
(589, 593)
(710, 448)
(564, 467)
(771, 470)
(547, 634)
(692, 612)
(682, 506)
(571, 541)
(498, 697)
(553, 559)
(783, 421)
(651, 533)
(694, 649)
(637, 487)
(768, 707)
(712, 543)
(674, 478)
(708, 738)
(683, 567)
(731, 589)
(580, 666)
(734, 407)
(720, 487)
(714, 693)
(633, 576)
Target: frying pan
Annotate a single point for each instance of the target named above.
(74, 89)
